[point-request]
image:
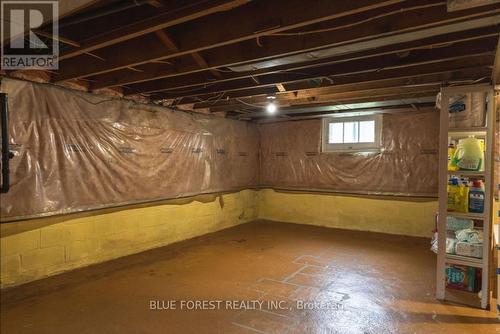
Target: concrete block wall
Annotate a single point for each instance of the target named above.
(75, 242)
(61, 245)
(404, 217)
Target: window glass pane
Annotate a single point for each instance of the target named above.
(351, 132)
(367, 131)
(335, 133)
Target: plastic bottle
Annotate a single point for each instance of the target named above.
(464, 196)
(453, 194)
(476, 197)
(451, 154)
(468, 155)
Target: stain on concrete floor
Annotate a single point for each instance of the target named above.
(284, 278)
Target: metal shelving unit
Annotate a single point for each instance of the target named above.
(442, 292)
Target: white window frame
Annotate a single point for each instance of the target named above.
(351, 147)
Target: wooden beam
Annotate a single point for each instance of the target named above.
(305, 95)
(167, 42)
(354, 83)
(172, 46)
(313, 111)
(193, 10)
(374, 96)
(373, 64)
(495, 74)
(58, 38)
(155, 3)
(413, 26)
(201, 79)
(454, 5)
(281, 87)
(366, 104)
(256, 19)
(203, 64)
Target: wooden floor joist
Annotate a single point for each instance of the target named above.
(228, 57)
(356, 39)
(200, 78)
(418, 57)
(360, 86)
(191, 11)
(218, 30)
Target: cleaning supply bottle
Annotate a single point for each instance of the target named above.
(451, 154)
(464, 196)
(468, 155)
(476, 197)
(453, 194)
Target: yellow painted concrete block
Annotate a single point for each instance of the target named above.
(52, 235)
(18, 243)
(354, 213)
(11, 264)
(66, 233)
(71, 243)
(82, 250)
(42, 257)
(100, 237)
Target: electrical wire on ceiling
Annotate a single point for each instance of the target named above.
(248, 104)
(211, 100)
(178, 90)
(318, 31)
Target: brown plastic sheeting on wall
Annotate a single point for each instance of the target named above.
(407, 165)
(77, 151)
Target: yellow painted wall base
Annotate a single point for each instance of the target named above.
(35, 249)
(60, 244)
(412, 218)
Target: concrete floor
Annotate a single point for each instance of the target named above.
(361, 283)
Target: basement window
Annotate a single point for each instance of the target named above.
(347, 134)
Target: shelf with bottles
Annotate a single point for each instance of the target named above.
(466, 195)
(466, 139)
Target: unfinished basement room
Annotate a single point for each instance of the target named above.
(250, 166)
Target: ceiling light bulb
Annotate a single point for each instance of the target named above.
(271, 108)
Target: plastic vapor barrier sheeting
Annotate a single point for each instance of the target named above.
(77, 151)
(407, 164)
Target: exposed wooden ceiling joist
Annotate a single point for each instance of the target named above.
(495, 74)
(226, 57)
(172, 46)
(393, 93)
(353, 109)
(201, 78)
(218, 30)
(191, 11)
(373, 64)
(351, 38)
(362, 105)
(364, 82)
